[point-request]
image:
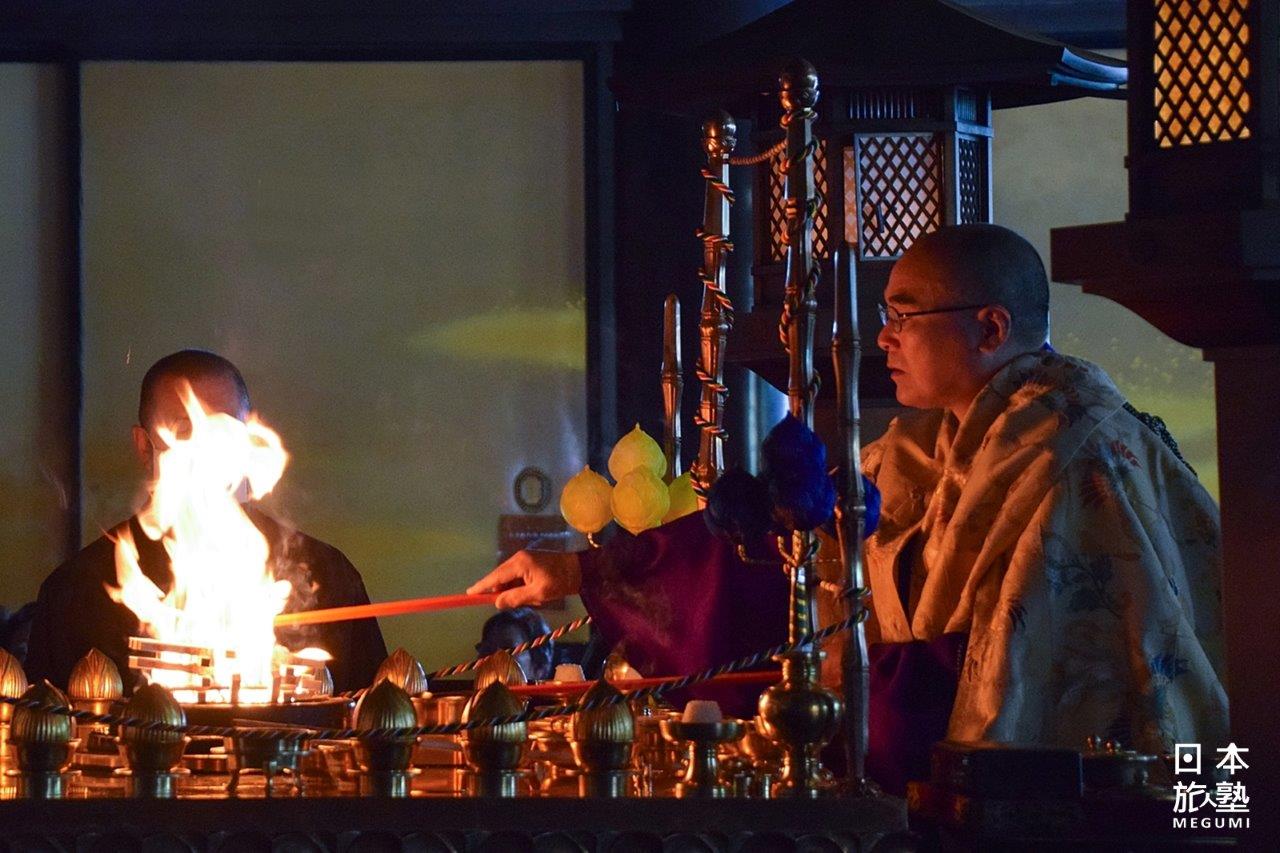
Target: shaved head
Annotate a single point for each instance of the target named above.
(981, 265)
(161, 387)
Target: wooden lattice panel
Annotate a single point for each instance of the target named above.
(899, 188)
(1201, 71)
(778, 205)
(973, 179)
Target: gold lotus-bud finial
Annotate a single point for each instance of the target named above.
(42, 740)
(33, 727)
(501, 667)
(151, 751)
(494, 752)
(386, 705)
(95, 678)
(601, 737)
(13, 682)
(384, 760)
(405, 671)
(605, 717)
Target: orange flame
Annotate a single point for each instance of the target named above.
(224, 596)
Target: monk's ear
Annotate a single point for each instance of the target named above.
(143, 448)
(997, 327)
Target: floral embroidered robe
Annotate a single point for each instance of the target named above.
(1079, 554)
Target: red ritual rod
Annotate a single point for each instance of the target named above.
(385, 608)
(563, 688)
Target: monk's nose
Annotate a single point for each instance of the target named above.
(885, 337)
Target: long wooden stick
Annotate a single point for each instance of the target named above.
(384, 608)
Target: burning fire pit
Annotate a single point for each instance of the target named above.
(212, 636)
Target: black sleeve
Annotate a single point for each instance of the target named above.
(39, 661)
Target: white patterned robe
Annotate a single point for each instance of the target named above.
(1078, 552)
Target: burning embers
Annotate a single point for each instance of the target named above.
(214, 635)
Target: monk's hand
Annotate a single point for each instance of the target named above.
(531, 578)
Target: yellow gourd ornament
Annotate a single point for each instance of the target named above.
(640, 500)
(585, 503)
(683, 498)
(635, 450)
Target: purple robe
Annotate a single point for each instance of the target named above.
(678, 599)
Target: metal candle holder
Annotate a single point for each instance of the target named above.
(494, 752)
(384, 760)
(502, 667)
(94, 684)
(13, 682)
(153, 754)
(42, 743)
(602, 736)
(702, 775)
(407, 672)
(798, 712)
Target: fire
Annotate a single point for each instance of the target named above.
(224, 596)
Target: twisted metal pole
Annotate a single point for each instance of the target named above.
(719, 136)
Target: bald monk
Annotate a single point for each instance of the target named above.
(1046, 565)
(74, 613)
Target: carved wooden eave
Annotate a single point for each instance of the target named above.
(871, 43)
(1207, 280)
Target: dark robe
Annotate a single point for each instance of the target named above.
(74, 613)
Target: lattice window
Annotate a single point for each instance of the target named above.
(973, 179)
(899, 191)
(778, 205)
(1201, 71)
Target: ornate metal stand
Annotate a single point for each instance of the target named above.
(719, 136)
(798, 712)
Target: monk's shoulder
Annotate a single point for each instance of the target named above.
(88, 569)
(915, 428)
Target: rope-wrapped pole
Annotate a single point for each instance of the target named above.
(799, 95)
(672, 385)
(851, 509)
(719, 136)
(799, 712)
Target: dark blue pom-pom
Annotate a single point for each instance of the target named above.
(791, 447)
(738, 507)
(871, 497)
(802, 501)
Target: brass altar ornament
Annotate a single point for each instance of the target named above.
(802, 716)
(153, 754)
(405, 671)
(702, 775)
(13, 682)
(94, 684)
(501, 667)
(494, 752)
(384, 759)
(601, 739)
(42, 741)
(798, 712)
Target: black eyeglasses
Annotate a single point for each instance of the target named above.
(892, 316)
